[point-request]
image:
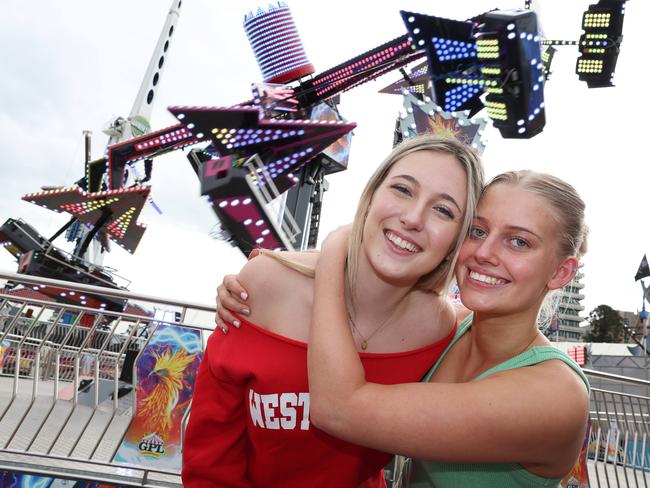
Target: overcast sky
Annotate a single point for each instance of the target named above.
(72, 66)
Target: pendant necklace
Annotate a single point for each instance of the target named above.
(364, 340)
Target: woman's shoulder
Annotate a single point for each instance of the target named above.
(545, 383)
(279, 295)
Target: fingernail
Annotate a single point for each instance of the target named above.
(236, 323)
(243, 295)
(225, 331)
(245, 311)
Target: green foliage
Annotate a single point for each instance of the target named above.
(606, 325)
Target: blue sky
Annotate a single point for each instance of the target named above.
(69, 67)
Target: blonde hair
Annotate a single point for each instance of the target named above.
(438, 279)
(304, 269)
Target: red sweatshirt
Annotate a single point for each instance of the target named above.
(249, 425)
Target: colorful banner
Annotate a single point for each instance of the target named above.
(14, 479)
(579, 477)
(4, 346)
(165, 372)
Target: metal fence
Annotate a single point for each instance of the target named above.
(619, 433)
(66, 382)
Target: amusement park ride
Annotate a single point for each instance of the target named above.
(262, 163)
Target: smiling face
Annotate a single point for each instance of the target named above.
(510, 259)
(415, 217)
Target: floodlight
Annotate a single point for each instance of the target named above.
(600, 42)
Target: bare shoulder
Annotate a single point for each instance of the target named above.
(559, 378)
(278, 296)
(432, 317)
(259, 272)
(552, 386)
(267, 275)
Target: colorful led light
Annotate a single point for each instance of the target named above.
(275, 41)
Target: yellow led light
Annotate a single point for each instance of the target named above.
(490, 71)
(497, 116)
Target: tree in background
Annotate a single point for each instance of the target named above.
(606, 325)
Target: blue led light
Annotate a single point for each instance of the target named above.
(453, 49)
(457, 96)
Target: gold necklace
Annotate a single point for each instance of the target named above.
(364, 340)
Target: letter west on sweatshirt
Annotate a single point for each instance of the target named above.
(279, 411)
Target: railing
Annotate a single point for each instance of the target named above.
(619, 434)
(67, 382)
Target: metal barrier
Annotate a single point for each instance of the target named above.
(62, 410)
(619, 433)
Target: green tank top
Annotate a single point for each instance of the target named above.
(457, 475)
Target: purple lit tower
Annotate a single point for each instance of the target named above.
(276, 44)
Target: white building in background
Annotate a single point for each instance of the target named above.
(569, 311)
